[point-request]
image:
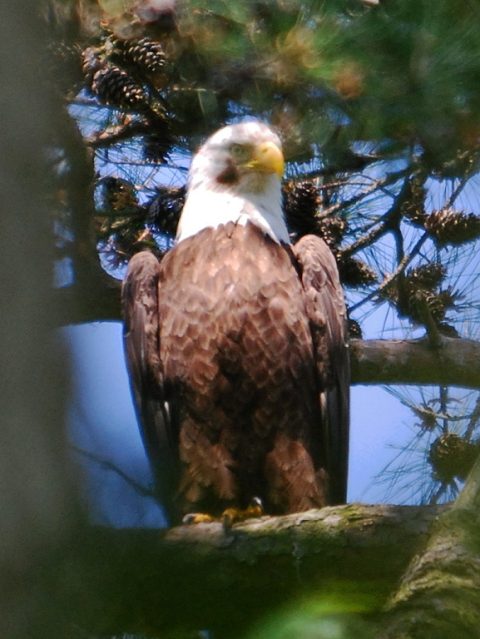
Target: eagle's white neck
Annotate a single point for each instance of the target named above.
(208, 205)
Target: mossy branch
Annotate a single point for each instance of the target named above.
(439, 596)
(204, 577)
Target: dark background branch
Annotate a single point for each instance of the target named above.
(97, 302)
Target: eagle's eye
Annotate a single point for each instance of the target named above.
(240, 152)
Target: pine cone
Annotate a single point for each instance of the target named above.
(144, 57)
(428, 276)
(413, 207)
(416, 293)
(301, 202)
(114, 86)
(427, 416)
(91, 63)
(354, 272)
(448, 226)
(156, 146)
(147, 54)
(118, 194)
(437, 303)
(332, 229)
(354, 329)
(452, 456)
(164, 210)
(63, 64)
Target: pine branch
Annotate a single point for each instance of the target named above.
(473, 419)
(140, 489)
(118, 133)
(386, 222)
(390, 178)
(404, 262)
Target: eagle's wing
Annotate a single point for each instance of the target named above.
(327, 314)
(142, 350)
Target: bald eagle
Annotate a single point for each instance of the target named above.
(236, 344)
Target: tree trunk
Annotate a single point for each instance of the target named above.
(439, 596)
(38, 502)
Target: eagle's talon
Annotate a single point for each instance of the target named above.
(229, 517)
(256, 507)
(232, 516)
(197, 518)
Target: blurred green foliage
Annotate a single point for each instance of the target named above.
(336, 616)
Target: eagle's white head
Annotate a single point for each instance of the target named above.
(236, 177)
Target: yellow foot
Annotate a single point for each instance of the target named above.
(229, 516)
(198, 518)
(232, 516)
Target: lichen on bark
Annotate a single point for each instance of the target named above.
(439, 596)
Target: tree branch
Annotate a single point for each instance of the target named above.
(456, 362)
(117, 133)
(97, 302)
(203, 577)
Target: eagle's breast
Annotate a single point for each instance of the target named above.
(236, 343)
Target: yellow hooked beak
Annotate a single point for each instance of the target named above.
(267, 158)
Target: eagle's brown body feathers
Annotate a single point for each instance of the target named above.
(236, 344)
(244, 356)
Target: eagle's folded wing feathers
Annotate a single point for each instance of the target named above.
(325, 308)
